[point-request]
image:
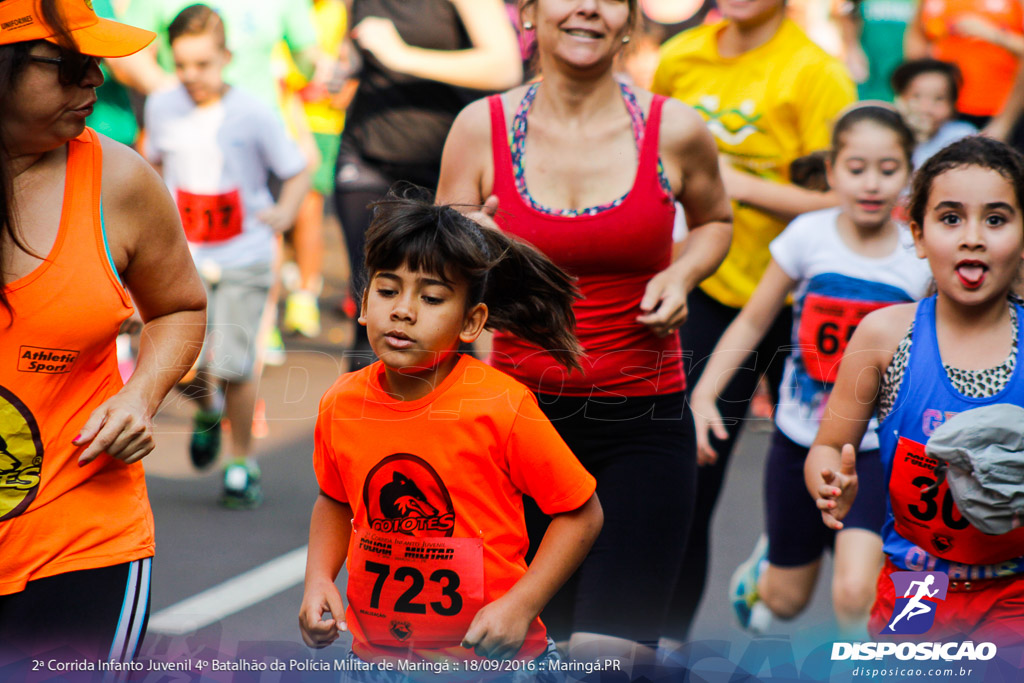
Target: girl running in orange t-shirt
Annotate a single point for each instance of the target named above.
(423, 458)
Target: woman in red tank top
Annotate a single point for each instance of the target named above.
(86, 228)
(587, 170)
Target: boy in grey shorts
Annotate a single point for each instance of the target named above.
(215, 147)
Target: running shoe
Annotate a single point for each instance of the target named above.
(274, 351)
(301, 314)
(746, 602)
(205, 445)
(242, 490)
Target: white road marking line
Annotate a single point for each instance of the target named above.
(231, 596)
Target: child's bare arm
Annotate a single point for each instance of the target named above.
(498, 630)
(829, 470)
(738, 341)
(329, 530)
(281, 216)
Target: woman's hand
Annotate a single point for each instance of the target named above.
(120, 426)
(838, 490)
(484, 217)
(663, 305)
(706, 418)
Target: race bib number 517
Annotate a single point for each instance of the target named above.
(210, 217)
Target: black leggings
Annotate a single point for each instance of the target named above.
(641, 450)
(98, 614)
(707, 321)
(358, 182)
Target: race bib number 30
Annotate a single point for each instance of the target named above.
(927, 516)
(406, 590)
(826, 325)
(210, 217)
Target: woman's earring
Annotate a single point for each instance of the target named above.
(625, 39)
(527, 25)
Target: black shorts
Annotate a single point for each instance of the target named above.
(642, 452)
(98, 614)
(796, 534)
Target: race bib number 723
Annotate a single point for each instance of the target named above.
(422, 590)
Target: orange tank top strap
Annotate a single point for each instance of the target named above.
(85, 169)
(81, 226)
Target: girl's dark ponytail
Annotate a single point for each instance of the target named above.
(526, 294)
(529, 296)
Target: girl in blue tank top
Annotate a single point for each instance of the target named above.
(914, 366)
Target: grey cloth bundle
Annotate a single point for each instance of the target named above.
(981, 454)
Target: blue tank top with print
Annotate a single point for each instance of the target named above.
(924, 530)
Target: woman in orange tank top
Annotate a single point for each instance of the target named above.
(86, 229)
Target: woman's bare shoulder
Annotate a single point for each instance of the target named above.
(473, 124)
(125, 174)
(681, 125)
(137, 208)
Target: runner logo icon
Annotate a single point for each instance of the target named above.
(917, 596)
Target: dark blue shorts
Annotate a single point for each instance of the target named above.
(796, 534)
(91, 614)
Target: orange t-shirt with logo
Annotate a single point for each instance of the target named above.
(436, 488)
(57, 365)
(988, 70)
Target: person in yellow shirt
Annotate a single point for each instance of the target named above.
(318, 104)
(769, 95)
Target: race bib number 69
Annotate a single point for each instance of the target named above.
(406, 589)
(826, 325)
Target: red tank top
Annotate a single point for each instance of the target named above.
(614, 254)
(57, 364)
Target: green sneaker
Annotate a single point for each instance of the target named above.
(302, 314)
(242, 490)
(752, 614)
(205, 445)
(274, 351)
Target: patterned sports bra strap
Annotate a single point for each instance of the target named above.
(636, 113)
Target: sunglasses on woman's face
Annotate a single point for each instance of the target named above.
(72, 67)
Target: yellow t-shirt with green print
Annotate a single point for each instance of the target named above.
(766, 107)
